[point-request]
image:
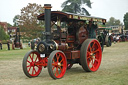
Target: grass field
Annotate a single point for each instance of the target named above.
(6, 54)
(113, 69)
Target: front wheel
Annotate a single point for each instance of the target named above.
(57, 64)
(90, 55)
(29, 67)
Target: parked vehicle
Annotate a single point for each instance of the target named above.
(103, 37)
(16, 43)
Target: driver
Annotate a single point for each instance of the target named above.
(91, 27)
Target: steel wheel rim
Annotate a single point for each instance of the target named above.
(59, 65)
(33, 69)
(94, 54)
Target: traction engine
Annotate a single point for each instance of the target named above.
(62, 48)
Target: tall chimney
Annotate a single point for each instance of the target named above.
(47, 18)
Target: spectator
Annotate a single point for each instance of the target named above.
(117, 38)
(32, 44)
(8, 44)
(0, 44)
(114, 39)
(91, 27)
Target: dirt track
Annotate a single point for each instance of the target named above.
(113, 71)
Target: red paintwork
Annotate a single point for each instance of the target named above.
(82, 35)
(67, 46)
(42, 62)
(17, 45)
(70, 39)
(72, 54)
(94, 54)
(34, 58)
(59, 65)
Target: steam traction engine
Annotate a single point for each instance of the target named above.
(66, 43)
(17, 43)
(103, 37)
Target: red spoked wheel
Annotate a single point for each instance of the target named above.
(91, 55)
(29, 64)
(57, 64)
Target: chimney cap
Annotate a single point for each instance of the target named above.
(47, 6)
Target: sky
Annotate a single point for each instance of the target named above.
(100, 8)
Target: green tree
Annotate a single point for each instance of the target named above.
(9, 25)
(117, 22)
(15, 20)
(76, 6)
(28, 20)
(3, 35)
(126, 21)
(112, 21)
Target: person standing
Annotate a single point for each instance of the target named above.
(0, 44)
(117, 38)
(91, 27)
(32, 44)
(8, 44)
(114, 39)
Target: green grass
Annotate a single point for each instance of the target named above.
(113, 69)
(6, 54)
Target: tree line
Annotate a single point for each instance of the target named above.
(112, 22)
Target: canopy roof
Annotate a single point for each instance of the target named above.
(66, 16)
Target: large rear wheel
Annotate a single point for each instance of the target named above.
(29, 67)
(90, 55)
(57, 64)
